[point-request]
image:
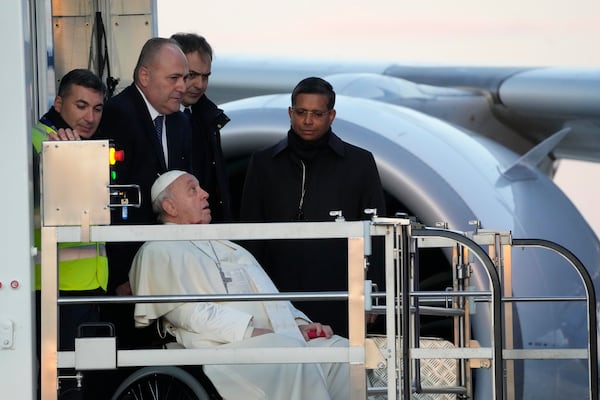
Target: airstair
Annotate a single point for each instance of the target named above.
(405, 361)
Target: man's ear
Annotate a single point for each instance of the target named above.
(331, 116)
(58, 102)
(144, 75)
(169, 207)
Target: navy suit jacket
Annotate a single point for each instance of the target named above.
(126, 121)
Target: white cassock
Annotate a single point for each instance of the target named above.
(219, 267)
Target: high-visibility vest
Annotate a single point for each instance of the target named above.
(82, 266)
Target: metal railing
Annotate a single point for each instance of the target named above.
(404, 304)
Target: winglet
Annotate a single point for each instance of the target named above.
(521, 169)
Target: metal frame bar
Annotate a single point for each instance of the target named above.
(358, 247)
(477, 250)
(398, 235)
(592, 355)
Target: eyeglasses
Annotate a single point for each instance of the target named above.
(301, 112)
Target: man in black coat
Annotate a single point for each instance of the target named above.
(303, 178)
(145, 121)
(208, 163)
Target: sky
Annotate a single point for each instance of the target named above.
(523, 32)
(457, 32)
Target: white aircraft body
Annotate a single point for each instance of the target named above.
(453, 145)
(436, 166)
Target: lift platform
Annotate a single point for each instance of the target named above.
(76, 208)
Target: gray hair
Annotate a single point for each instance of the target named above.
(149, 53)
(157, 203)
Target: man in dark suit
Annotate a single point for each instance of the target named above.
(145, 121)
(208, 164)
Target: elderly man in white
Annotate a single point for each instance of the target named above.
(219, 267)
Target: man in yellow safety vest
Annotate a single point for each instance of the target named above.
(83, 267)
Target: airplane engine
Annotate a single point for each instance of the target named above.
(442, 173)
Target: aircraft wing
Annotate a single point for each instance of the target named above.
(533, 102)
(517, 107)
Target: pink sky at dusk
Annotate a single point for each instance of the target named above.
(511, 32)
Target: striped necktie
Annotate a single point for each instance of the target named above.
(158, 123)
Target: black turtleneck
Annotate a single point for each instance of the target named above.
(307, 150)
(53, 119)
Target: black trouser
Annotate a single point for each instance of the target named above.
(70, 317)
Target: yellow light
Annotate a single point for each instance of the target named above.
(111, 156)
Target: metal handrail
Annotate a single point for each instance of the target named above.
(591, 303)
(497, 356)
(53, 235)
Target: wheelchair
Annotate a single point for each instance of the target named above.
(160, 382)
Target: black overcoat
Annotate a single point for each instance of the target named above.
(208, 163)
(341, 177)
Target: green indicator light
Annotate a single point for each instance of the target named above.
(113, 175)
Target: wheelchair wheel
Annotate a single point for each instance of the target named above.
(160, 383)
